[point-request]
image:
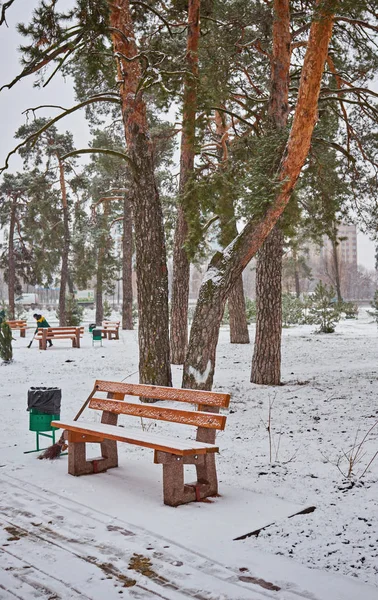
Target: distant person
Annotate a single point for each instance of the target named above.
(41, 322)
(2, 316)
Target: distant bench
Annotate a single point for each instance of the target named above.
(110, 329)
(59, 333)
(21, 325)
(171, 452)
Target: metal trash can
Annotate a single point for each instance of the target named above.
(44, 407)
(91, 327)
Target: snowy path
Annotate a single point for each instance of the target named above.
(53, 548)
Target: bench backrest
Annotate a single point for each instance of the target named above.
(14, 324)
(205, 401)
(61, 330)
(110, 323)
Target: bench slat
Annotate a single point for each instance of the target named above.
(174, 415)
(201, 397)
(139, 438)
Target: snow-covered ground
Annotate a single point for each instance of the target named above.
(327, 404)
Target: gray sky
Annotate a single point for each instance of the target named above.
(22, 96)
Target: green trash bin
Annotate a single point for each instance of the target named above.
(43, 407)
(96, 336)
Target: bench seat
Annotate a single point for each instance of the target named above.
(138, 438)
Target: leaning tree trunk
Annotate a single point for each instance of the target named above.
(181, 265)
(127, 266)
(237, 312)
(151, 262)
(65, 249)
(227, 266)
(266, 363)
(11, 261)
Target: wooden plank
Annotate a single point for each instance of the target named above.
(138, 438)
(174, 415)
(165, 393)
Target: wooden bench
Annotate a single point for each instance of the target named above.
(110, 329)
(21, 325)
(171, 452)
(59, 333)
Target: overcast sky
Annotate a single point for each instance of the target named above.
(22, 96)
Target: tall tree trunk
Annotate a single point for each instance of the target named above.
(266, 362)
(227, 266)
(99, 287)
(336, 266)
(127, 266)
(65, 249)
(11, 260)
(236, 301)
(151, 261)
(239, 333)
(181, 265)
(296, 275)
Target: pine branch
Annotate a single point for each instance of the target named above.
(34, 136)
(4, 8)
(336, 146)
(156, 12)
(101, 151)
(50, 55)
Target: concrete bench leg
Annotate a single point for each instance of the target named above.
(207, 475)
(77, 459)
(175, 491)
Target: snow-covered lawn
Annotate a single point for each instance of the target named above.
(327, 403)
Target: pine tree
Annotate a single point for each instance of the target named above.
(324, 311)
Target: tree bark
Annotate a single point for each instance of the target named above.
(227, 266)
(181, 264)
(239, 333)
(151, 263)
(11, 260)
(65, 249)
(266, 363)
(99, 289)
(236, 301)
(296, 275)
(336, 266)
(127, 266)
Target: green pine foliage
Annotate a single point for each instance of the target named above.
(6, 352)
(74, 312)
(107, 310)
(350, 310)
(324, 312)
(292, 310)
(374, 305)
